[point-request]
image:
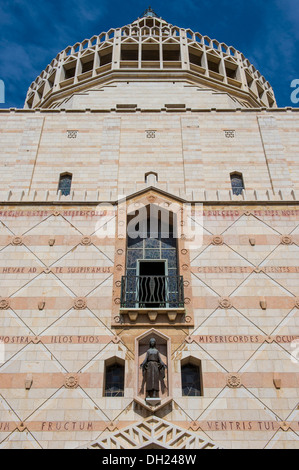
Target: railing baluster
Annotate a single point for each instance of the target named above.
(152, 292)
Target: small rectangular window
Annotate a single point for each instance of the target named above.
(237, 183)
(114, 380)
(65, 184)
(191, 380)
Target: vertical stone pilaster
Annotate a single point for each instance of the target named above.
(27, 153)
(192, 154)
(109, 157)
(274, 153)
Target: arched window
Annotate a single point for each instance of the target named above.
(152, 279)
(65, 184)
(151, 178)
(191, 378)
(114, 379)
(237, 183)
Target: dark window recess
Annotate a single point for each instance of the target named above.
(237, 184)
(213, 66)
(87, 66)
(191, 380)
(65, 184)
(151, 55)
(172, 55)
(194, 59)
(106, 59)
(231, 73)
(69, 73)
(152, 285)
(115, 380)
(129, 54)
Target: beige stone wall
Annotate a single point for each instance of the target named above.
(50, 258)
(112, 150)
(151, 94)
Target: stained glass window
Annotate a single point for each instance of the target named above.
(115, 380)
(237, 183)
(191, 383)
(65, 184)
(152, 279)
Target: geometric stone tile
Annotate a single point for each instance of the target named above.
(194, 406)
(252, 291)
(5, 236)
(200, 291)
(20, 441)
(284, 220)
(272, 359)
(236, 338)
(94, 219)
(67, 415)
(250, 227)
(100, 301)
(296, 231)
(56, 228)
(107, 247)
(8, 419)
(113, 407)
(284, 441)
(46, 288)
(197, 250)
(33, 359)
(288, 331)
(77, 328)
(83, 269)
(221, 269)
(20, 221)
(254, 420)
(13, 332)
(216, 221)
(283, 266)
(17, 267)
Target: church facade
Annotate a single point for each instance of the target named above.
(149, 191)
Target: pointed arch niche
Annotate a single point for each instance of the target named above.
(152, 275)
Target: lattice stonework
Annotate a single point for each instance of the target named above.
(136, 47)
(154, 432)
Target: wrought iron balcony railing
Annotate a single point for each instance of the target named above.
(152, 292)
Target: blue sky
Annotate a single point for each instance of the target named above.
(33, 32)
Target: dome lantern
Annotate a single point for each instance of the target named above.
(149, 13)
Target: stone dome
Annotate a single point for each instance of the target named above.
(158, 55)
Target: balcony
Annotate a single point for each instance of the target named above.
(152, 296)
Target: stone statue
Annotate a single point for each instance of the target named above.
(153, 370)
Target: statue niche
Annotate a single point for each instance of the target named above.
(153, 375)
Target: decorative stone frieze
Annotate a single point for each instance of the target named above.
(17, 241)
(86, 241)
(72, 134)
(286, 240)
(217, 240)
(225, 303)
(71, 381)
(230, 134)
(80, 303)
(4, 304)
(234, 381)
